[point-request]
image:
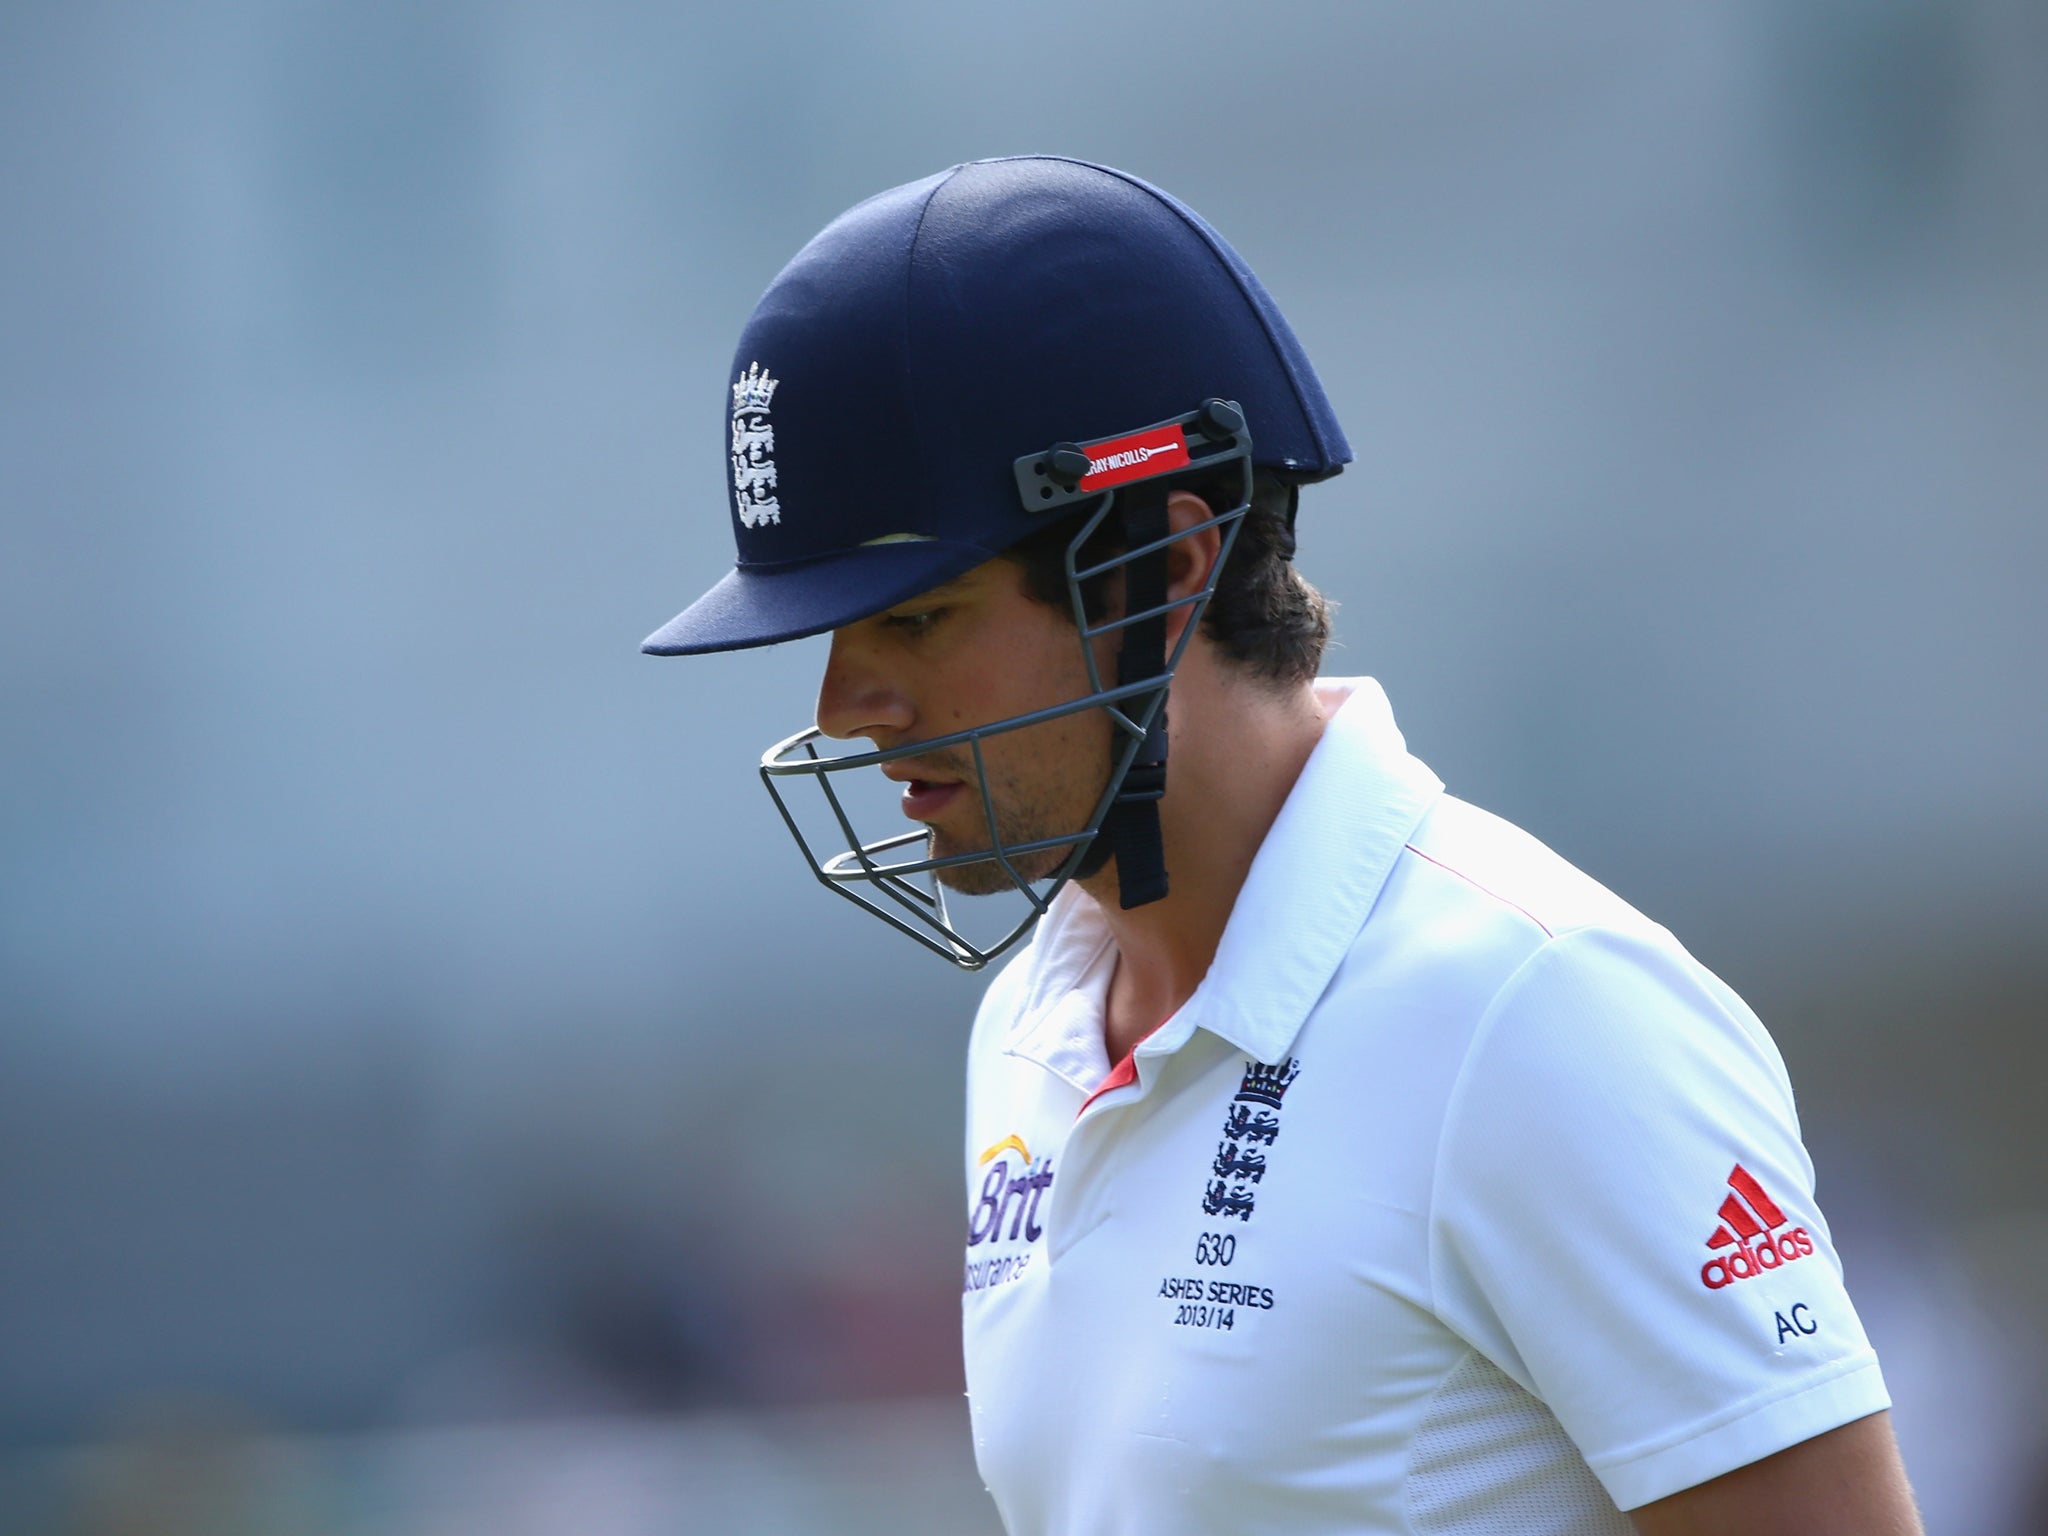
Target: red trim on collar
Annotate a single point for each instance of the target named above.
(1125, 1072)
(1122, 1075)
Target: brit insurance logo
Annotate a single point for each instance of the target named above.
(1250, 1128)
(1006, 1213)
(753, 448)
(1748, 1242)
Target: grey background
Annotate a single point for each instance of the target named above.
(411, 1014)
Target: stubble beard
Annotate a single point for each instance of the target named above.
(1054, 805)
(1048, 813)
(988, 876)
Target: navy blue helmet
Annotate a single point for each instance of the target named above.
(942, 371)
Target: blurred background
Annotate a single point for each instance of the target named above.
(432, 1096)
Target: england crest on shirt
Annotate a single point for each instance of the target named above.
(1249, 1131)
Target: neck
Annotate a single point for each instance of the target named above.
(1238, 747)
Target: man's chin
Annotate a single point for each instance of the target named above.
(988, 876)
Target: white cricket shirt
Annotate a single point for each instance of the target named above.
(1459, 1198)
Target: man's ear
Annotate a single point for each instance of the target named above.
(1189, 560)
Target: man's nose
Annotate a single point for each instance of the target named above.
(857, 698)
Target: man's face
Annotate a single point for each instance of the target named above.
(969, 653)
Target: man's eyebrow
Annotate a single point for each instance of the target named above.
(951, 588)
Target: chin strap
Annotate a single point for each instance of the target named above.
(1067, 474)
(1130, 830)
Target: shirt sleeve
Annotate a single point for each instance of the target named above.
(1623, 1220)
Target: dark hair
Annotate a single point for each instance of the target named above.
(1263, 616)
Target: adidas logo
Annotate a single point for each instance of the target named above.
(1749, 1222)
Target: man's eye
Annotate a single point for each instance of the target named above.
(915, 622)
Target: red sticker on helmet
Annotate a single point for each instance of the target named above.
(1135, 457)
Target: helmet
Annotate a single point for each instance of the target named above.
(952, 366)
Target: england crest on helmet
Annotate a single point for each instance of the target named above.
(753, 448)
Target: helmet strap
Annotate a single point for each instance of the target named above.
(1130, 829)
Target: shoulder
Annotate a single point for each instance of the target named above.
(1470, 905)
(1462, 853)
(1595, 1050)
(1598, 983)
(1539, 1002)
(1617, 1027)
(1586, 1000)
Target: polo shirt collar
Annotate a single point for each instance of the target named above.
(1310, 890)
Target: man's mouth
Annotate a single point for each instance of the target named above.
(924, 799)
